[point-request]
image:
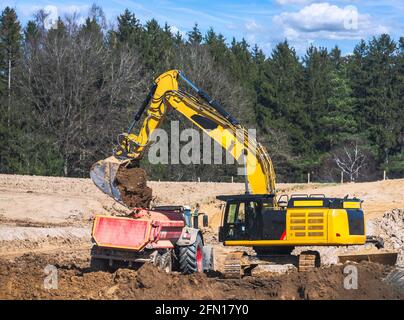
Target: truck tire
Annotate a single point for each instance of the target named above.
(191, 257)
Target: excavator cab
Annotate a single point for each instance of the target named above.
(259, 221)
(243, 216)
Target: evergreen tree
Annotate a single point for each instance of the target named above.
(258, 55)
(280, 101)
(68, 80)
(195, 36)
(336, 57)
(377, 100)
(178, 40)
(31, 33)
(129, 28)
(339, 121)
(157, 47)
(399, 91)
(217, 46)
(318, 70)
(10, 43)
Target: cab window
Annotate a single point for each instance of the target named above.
(232, 212)
(241, 213)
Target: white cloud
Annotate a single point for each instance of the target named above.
(316, 17)
(253, 26)
(53, 10)
(326, 21)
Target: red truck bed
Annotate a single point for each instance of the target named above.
(156, 229)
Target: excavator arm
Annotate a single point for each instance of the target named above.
(202, 111)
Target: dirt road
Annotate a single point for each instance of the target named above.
(75, 201)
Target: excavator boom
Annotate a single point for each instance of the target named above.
(204, 112)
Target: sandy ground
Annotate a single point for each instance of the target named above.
(58, 200)
(48, 220)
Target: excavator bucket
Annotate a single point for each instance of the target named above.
(103, 173)
(123, 180)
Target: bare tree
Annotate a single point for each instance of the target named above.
(350, 159)
(198, 65)
(82, 90)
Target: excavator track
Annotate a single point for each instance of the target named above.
(234, 265)
(308, 261)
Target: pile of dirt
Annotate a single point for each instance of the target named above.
(390, 228)
(132, 184)
(23, 278)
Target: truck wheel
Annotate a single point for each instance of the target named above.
(191, 257)
(166, 263)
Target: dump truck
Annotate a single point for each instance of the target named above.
(157, 235)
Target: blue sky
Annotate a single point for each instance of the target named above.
(265, 22)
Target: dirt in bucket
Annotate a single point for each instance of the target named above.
(132, 184)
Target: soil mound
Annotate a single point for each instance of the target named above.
(132, 184)
(390, 228)
(77, 281)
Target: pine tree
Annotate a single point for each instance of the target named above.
(217, 46)
(10, 43)
(157, 47)
(280, 97)
(377, 107)
(258, 55)
(336, 57)
(129, 28)
(339, 121)
(31, 33)
(195, 36)
(178, 40)
(318, 69)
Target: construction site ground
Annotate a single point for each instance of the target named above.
(47, 221)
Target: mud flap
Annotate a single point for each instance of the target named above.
(208, 259)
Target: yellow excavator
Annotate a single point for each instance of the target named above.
(271, 225)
